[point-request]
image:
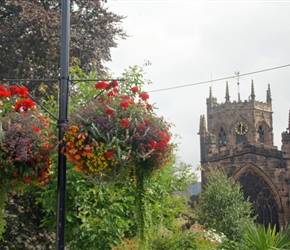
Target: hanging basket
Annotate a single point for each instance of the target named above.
(25, 141)
(26, 146)
(114, 133)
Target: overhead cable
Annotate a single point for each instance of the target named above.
(219, 79)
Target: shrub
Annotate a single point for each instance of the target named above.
(222, 206)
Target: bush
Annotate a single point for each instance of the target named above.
(222, 206)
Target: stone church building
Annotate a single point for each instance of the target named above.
(238, 137)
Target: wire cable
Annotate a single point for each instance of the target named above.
(219, 79)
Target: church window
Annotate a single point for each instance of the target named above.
(259, 194)
(261, 135)
(222, 139)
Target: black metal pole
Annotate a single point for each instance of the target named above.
(63, 110)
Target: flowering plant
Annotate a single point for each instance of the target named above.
(117, 132)
(25, 140)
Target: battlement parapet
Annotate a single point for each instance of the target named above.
(215, 107)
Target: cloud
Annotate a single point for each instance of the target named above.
(189, 42)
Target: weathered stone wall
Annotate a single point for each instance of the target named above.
(252, 154)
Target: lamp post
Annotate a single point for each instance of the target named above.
(63, 110)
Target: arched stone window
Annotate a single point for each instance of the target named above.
(261, 134)
(259, 193)
(222, 137)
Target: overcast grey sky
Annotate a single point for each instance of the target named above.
(189, 42)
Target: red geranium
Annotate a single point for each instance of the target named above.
(152, 144)
(109, 111)
(124, 104)
(36, 129)
(134, 89)
(4, 93)
(109, 154)
(125, 122)
(111, 94)
(144, 96)
(21, 91)
(25, 104)
(101, 85)
(112, 84)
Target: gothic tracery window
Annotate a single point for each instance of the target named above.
(259, 193)
(222, 139)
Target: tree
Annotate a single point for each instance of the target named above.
(30, 37)
(221, 206)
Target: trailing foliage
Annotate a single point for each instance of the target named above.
(3, 200)
(221, 206)
(99, 216)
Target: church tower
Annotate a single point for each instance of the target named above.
(239, 139)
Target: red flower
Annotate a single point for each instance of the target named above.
(101, 85)
(126, 97)
(112, 84)
(134, 89)
(22, 91)
(152, 144)
(125, 122)
(141, 127)
(116, 90)
(3, 87)
(124, 104)
(4, 93)
(144, 96)
(14, 90)
(45, 147)
(36, 129)
(111, 94)
(147, 121)
(149, 106)
(24, 104)
(15, 175)
(109, 111)
(27, 179)
(109, 154)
